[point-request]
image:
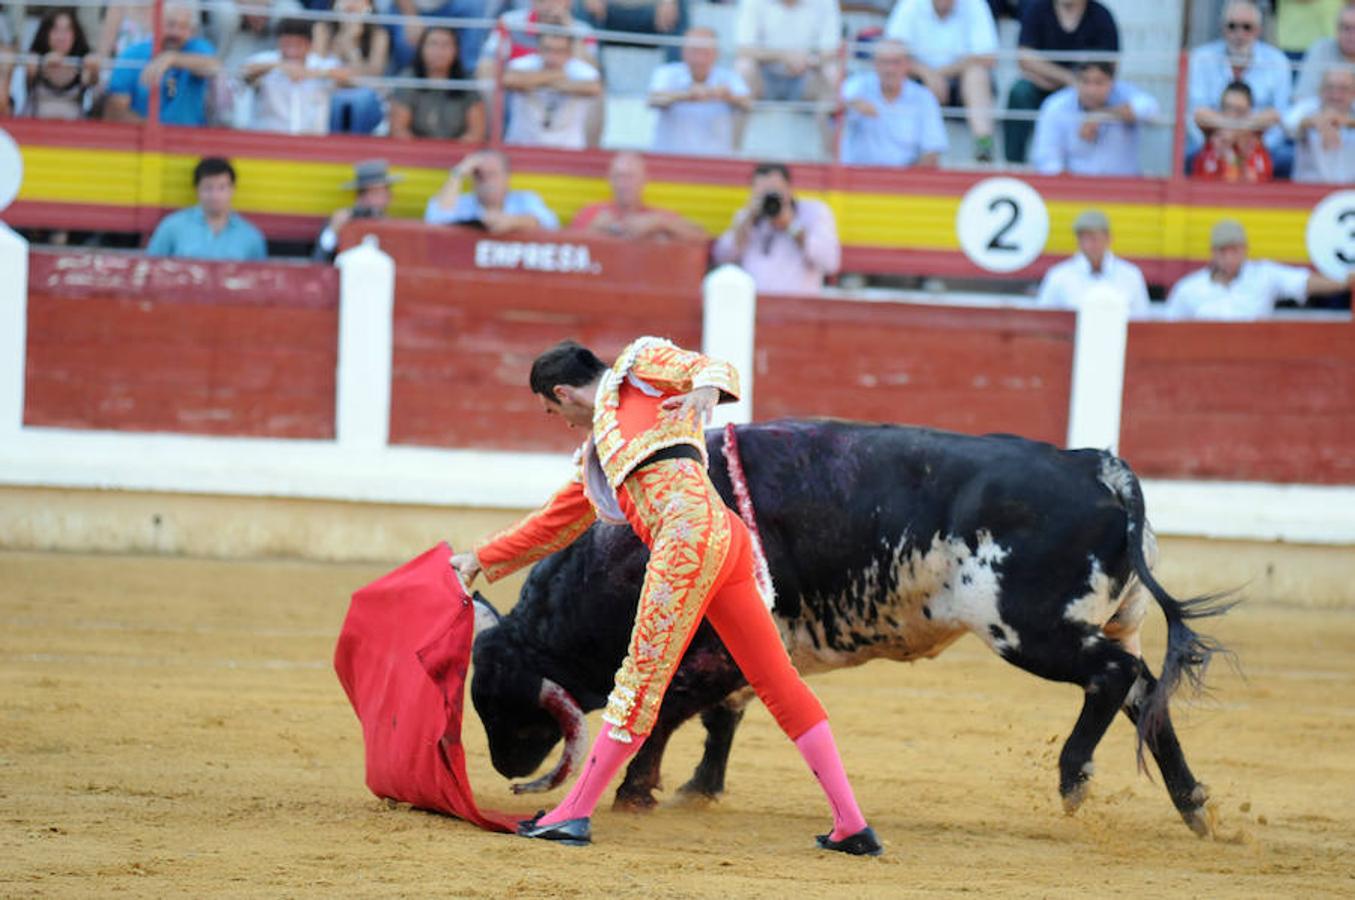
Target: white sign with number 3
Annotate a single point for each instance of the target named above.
(1331, 235)
(1002, 224)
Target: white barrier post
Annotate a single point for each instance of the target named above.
(728, 317)
(366, 309)
(1098, 369)
(13, 329)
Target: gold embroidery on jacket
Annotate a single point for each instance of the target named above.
(689, 538)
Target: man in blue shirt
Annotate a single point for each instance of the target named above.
(891, 120)
(491, 205)
(182, 68)
(1093, 127)
(1053, 26)
(209, 230)
(1241, 55)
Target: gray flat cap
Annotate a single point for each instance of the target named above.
(1091, 220)
(370, 173)
(1226, 233)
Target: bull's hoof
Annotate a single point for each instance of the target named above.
(1076, 790)
(695, 797)
(1201, 816)
(634, 801)
(1073, 797)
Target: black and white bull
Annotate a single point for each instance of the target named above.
(883, 542)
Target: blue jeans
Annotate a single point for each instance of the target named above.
(355, 111)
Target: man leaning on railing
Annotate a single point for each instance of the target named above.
(181, 70)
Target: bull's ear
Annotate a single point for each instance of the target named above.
(486, 616)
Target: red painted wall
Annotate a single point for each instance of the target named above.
(133, 343)
(963, 369)
(1269, 401)
(125, 342)
(466, 334)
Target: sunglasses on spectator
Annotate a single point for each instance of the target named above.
(1240, 26)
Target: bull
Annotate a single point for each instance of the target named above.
(882, 542)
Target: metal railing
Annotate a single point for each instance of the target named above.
(1166, 82)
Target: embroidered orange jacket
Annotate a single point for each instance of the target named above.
(629, 426)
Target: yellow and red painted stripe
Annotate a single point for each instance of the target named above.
(118, 177)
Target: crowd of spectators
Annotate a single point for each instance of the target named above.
(220, 65)
(786, 243)
(1248, 119)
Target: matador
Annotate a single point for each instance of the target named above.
(644, 464)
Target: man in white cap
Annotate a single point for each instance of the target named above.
(1235, 288)
(371, 185)
(1068, 284)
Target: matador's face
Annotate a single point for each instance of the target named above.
(574, 405)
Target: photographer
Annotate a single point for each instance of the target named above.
(371, 185)
(490, 205)
(787, 244)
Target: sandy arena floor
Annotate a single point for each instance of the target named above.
(173, 726)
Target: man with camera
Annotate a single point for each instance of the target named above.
(786, 243)
(371, 186)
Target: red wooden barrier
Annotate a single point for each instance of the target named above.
(472, 311)
(135, 343)
(964, 369)
(1266, 401)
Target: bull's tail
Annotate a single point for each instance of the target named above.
(1188, 652)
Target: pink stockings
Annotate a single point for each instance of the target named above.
(816, 746)
(604, 759)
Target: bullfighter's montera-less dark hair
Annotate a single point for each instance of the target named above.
(569, 363)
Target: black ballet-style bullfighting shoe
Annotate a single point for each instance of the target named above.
(863, 843)
(570, 832)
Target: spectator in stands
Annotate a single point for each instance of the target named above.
(1241, 55)
(1068, 284)
(363, 50)
(1093, 127)
(491, 205)
(660, 17)
(1323, 128)
(549, 95)
(1052, 26)
(518, 27)
(626, 216)
(890, 120)
(698, 101)
(953, 46)
(1327, 52)
(181, 70)
(53, 87)
(1301, 23)
(1236, 288)
(787, 49)
(444, 113)
(405, 37)
(1233, 151)
(210, 230)
(787, 244)
(371, 186)
(292, 86)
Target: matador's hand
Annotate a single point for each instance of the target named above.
(467, 566)
(699, 403)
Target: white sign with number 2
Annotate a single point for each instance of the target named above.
(1002, 224)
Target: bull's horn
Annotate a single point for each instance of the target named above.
(486, 616)
(556, 701)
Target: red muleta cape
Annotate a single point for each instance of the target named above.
(402, 658)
